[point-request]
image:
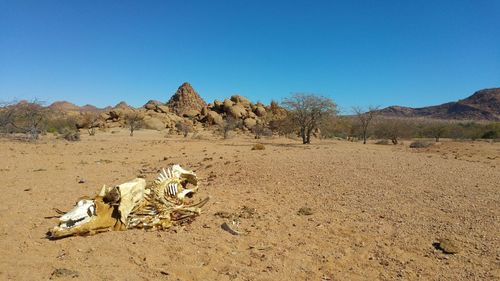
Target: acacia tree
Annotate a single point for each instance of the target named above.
(365, 117)
(25, 117)
(90, 121)
(435, 130)
(394, 129)
(308, 111)
(134, 120)
(229, 124)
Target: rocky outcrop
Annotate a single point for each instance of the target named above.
(185, 106)
(186, 100)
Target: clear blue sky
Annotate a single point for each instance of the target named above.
(412, 53)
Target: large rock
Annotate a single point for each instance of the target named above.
(227, 104)
(191, 113)
(260, 111)
(249, 123)
(162, 109)
(241, 100)
(154, 124)
(152, 104)
(237, 111)
(186, 99)
(213, 118)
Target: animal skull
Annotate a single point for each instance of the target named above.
(132, 205)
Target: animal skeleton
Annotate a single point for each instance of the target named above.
(134, 205)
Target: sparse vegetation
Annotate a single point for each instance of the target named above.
(229, 124)
(260, 130)
(307, 112)
(134, 121)
(90, 120)
(365, 118)
(420, 144)
(61, 125)
(258, 146)
(24, 117)
(184, 127)
(394, 129)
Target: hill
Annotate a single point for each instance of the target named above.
(482, 105)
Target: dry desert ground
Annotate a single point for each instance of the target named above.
(332, 210)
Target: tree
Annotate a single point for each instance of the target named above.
(227, 125)
(435, 130)
(184, 127)
(90, 121)
(308, 111)
(260, 130)
(365, 118)
(394, 129)
(25, 117)
(6, 116)
(134, 120)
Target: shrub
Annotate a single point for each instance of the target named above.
(420, 144)
(184, 127)
(258, 146)
(71, 136)
(490, 135)
(61, 125)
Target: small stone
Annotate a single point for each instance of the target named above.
(305, 211)
(81, 181)
(447, 246)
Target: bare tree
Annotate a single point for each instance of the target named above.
(435, 130)
(229, 124)
(394, 129)
(134, 121)
(365, 117)
(184, 127)
(25, 117)
(90, 121)
(308, 111)
(6, 116)
(260, 130)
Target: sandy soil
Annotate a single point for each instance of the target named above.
(376, 210)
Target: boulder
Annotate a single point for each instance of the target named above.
(241, 100)
(204, 111)
(154, 124)
(151, 105)
(104, 116)
(260, 111)
(191, 113)
(227, 105)
(237, 111)
(162, 109)
(214, 118)
(250, 114)
(249, 123)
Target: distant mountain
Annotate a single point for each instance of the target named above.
(65, 106)
(482, 105)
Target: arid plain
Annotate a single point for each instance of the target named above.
(331, 210)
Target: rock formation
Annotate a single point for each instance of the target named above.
(186, 101)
